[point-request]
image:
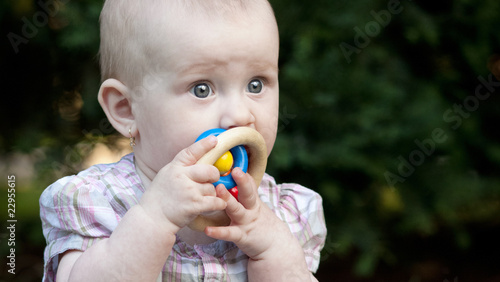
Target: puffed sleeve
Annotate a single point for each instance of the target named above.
(75, 214)
(302, 210)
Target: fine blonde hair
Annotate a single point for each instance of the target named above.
(128, 27)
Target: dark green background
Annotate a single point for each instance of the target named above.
(402, 104)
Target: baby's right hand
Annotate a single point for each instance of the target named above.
(183, 189)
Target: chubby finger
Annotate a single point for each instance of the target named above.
(190, 155)
(208, 190)
(234, 209)
(226, 233)
(212, 203)
(223, 193)
(247, 190)
(203, 173)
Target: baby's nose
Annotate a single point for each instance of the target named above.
(236, 112)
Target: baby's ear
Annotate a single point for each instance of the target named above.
(115, 100)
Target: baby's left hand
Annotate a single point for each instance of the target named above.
(259, 233)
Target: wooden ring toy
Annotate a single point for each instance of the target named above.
(238, 157)
(246, 138)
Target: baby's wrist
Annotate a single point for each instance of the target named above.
(279, 267)
(281, 262)
(283, 249)
(156, 217)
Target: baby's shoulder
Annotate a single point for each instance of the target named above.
(100, 179)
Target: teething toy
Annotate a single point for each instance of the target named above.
(235, 157)
(236, 141)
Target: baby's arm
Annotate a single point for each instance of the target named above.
(135, 251)
(275, 254)
(141, 243)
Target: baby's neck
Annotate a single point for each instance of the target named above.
(192, 237)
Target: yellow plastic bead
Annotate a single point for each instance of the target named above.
(224, 163)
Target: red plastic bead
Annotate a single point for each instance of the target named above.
(234, 192)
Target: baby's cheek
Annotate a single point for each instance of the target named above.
(269, 131)
(168, 147)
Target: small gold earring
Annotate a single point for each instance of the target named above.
(132, 138)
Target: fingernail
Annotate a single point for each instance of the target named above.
(212, 139)
(237, 171)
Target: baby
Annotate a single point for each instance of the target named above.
(173, 69)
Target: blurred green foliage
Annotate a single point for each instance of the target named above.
(348, 121)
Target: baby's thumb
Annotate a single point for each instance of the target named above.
(191, 154)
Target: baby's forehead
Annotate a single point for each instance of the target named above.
(135, 33)
(169, 10)
(167, 19)
(181, 21)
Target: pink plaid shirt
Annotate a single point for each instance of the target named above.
(78, 211)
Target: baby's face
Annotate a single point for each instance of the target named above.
(210, 73)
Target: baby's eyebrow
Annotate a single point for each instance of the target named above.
(212, 66)
(263, 66)
(199, 68)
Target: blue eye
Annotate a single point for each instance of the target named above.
(201, 90)
(255, 86)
